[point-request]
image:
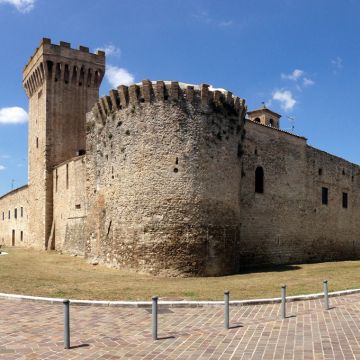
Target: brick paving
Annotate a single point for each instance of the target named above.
(31, 330)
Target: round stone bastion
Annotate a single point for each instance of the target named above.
(163, 177)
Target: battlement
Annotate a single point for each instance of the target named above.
(167, 91)
(61, 63)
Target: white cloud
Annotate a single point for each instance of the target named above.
(13, 115)
(2, 167)
(110, 50)
(308, 82)
(23, 6)
(286, 99)
(118, 76)
(225, 23)
(294, 76)
(298, 76)
(337, 64)
(205, 18)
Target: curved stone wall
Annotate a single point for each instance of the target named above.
(163, 179)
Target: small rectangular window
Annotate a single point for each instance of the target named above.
(22, 212)
(345, 200)
(77, 206)
(325, 195)
(21, 236)
(15, 213)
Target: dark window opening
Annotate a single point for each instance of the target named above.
(89, 77)
(15, 213)
(343, 172)
(22, 212)
(77, 206)
(324, 195)
(257, 119)
(66, 74)
(271, 122)
(49, 68)
(345, 200)
(177, 161)
(320, 171)
(82, 76)
(259, 180)
(21, 236)
(74, 75)
(58, 72)
(37, 142)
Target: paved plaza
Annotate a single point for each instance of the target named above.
(32, 330)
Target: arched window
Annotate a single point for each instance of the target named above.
(259, 180)
(257, 119)
(271, 122)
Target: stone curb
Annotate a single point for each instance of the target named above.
(174, 304)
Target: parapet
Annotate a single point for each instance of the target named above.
(168, 91)
(63, 63)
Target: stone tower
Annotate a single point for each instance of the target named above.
(265, 116)
(62, 85)
(163, 179)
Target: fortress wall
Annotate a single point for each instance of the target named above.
(270, 222)
(163, 177)
(333, 229)
(288, 222)
(14, 216)
(69, 206)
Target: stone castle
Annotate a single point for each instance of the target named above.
(171, 178)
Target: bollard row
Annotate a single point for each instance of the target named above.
(154, 312)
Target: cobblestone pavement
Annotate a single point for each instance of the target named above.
(30, 330)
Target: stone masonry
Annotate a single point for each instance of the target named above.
(168, 178)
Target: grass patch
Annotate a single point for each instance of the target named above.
(40, 273)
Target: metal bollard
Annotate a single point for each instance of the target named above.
(66, 324)
(154, 317)
(226, 309)
(326, 295)
(283, 302)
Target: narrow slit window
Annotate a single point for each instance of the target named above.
(324, 195)
(259, 180)
(345, 200)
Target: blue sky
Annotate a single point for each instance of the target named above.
(301, 57)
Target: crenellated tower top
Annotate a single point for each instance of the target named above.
(168, 91)
(61, 63)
